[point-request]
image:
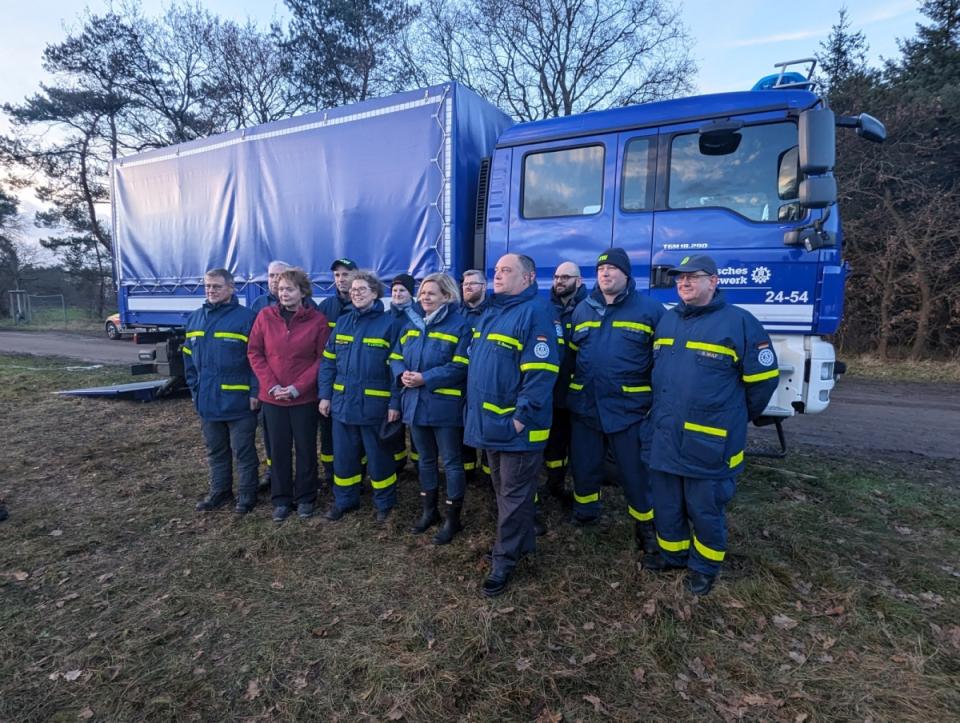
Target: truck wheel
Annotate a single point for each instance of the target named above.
(113, 333)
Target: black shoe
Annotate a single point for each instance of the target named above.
(539, 526)
(645, 537)
(578, 521)
(3, 512)
(281, 513)
(336, 513)
(428, 514)
(496, 584)
(244, 507)
(655, 562)
(215, 501)
(305, 510)
(383, 515)
(698, 583)
(451, 523)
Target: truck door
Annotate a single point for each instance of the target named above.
(633, 214)
(724, 196)
(565, 199)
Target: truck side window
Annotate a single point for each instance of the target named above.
(638, 168)
(744, 181)
(568, 182)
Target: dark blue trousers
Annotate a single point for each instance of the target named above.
(691, 522)
(226, 440)
(435, 443)
(514, 477)
(326, 445)
(351, 441)
(586, 462)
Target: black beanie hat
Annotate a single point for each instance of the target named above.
(406, 280)
(616, 257)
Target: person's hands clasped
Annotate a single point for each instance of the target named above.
(412, 380)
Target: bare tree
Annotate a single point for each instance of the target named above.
(548, 58)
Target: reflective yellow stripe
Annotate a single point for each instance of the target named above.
(461, 360)
(715, 431)
(329, 354)
(715, 348)
(574, 346)
(736, 459)
(228, 335)
(445, 337)
(269, 462)
(642, 516)
(376, 392)
(191, 334)
(635, 390)
(635, 325)
(337, 387)
(326, 458)
(673, 546)
(331, 324)
(485, 468)
(373, 341)
(235, 387)
(395, 356)
(408, 334)
(384, 483)
(663, 342)
(476, 334)
(561, 341)
(469, 466)
(586, 325)
(554, 463)
(575, 387)
(343, 338)
(539, 435)
(504, 339)
(586, 499)
(399, 456)
(761, 376)
(708, 552)
(415, 457)
(498, 410)
(347, 481)
(449, 392)
(186, 350)
(544, 366)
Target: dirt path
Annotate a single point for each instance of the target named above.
(72, 346)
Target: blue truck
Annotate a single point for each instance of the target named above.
(440, 180)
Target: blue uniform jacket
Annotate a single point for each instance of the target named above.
(333, 307)
(514, 363)
(714, 370)
(437, 350)
(568, 359)
(218, 374)
(610, 389)
(475, 313)
(356, 375)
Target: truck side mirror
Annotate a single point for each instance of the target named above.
(818, 191)
(871, 129)
(818, 145)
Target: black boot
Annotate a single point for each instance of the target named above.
(429, 515)
(645, 537)
(539, 525)
(451, 523)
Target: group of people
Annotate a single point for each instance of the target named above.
(531, 383)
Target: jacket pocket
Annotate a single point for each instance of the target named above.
(496, 418)
(704, 438)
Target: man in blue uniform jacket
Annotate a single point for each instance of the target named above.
(514, 363)
(224, 390)
(609, 394)
(714, 370)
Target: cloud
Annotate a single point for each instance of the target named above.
(778, 38)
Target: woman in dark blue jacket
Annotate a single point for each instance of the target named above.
(357, 389)
(430, 363)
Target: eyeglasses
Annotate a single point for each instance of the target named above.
(690, 277)
(361, 291)
(472, 283)
(564, 277)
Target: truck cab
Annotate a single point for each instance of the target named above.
(744, 177)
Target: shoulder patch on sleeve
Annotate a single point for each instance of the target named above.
(766, 357)
(541, 350)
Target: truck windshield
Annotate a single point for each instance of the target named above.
(745, 181)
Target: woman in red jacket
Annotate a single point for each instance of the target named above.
(285, 350)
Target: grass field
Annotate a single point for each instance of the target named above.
(840, 600)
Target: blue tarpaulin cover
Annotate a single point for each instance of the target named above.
(389, 182)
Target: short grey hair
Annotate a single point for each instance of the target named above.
(279, 265)
(369, 278)
(223, 274)
(527, 264)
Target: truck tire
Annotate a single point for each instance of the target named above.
(113, 333)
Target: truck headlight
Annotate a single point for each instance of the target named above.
(826, 372)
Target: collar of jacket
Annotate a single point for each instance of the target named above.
(579, 295)
(478, 309)
(375, 308)
(234, 301)
(598, 302)
(305, 311)
(507, 300)
(686, 311)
